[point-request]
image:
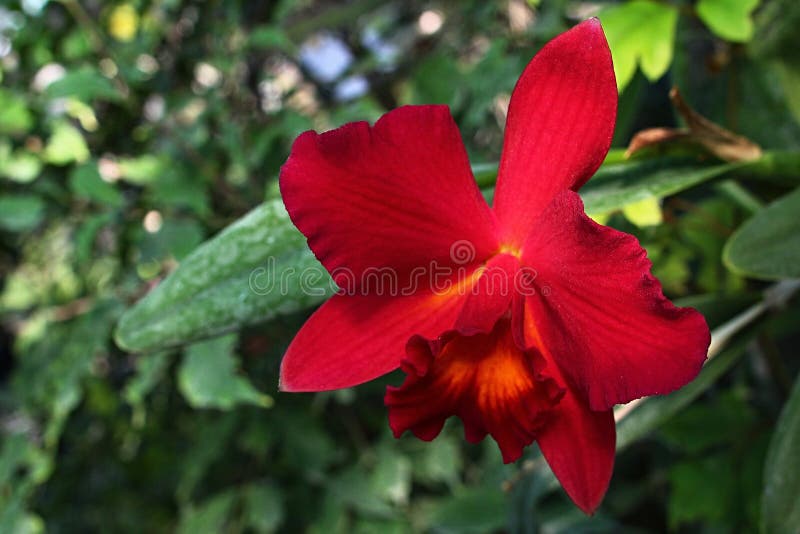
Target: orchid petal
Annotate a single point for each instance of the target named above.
(352, 339)
(397, 195)
(559, 127)
(601, 313)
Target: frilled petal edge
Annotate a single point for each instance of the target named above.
(602, 314)
(485, 379)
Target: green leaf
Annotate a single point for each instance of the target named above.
(50, 376)
(85, 182)
(729, 19)
(481, 509)
(85, 84)
(209, 516)
(724, 419)
(354, 488)
(15, 117)
(208, 377)
(256, 269)
(210, 443)
(640, 32)
(21, 166)
(149, 371)
(702, 490)
(143, 170)
(270, 37)
(263, 507)
(645, 212)
(438, 461)
(392, 476)
(66, 145)
(20, 212)
(780, 505)
(619, 184)
(654, 411)
(789, 76)
(176, 238)
(768, 245)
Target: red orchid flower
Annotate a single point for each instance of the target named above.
(584, 326)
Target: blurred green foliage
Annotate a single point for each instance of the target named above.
(132, 132)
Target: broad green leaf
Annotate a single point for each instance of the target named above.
(208, 377)
(20, 212)
(66, 144)
(256, 269)
(640, 32)
(780, 502)
(729, 19)
(85, 182)
(768, 245)
(85, 84)
(15, 117)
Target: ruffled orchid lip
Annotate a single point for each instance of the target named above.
(485, 379)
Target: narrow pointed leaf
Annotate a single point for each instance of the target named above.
(619, 184)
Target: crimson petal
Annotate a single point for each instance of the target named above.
(352, 339)
(491, 296)
(579, 446)
(559, 128)
(396, 195)
(578, 443)
(602, 314)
